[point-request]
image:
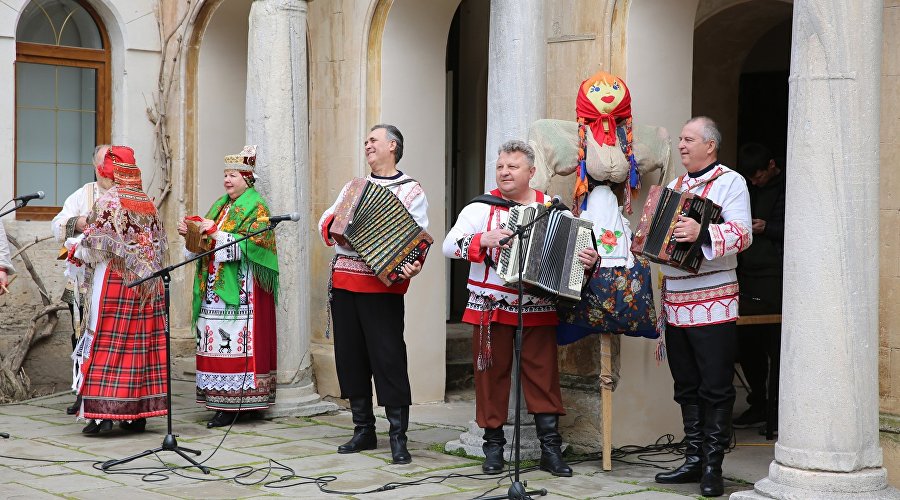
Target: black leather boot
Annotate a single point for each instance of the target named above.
(364, 431)
(493, 451)
(551, 445)
(73, 409)
(717, 427)
(398, 417)
(692, 468)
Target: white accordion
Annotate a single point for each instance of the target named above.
(551, 248)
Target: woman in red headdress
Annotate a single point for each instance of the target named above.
(122, 351)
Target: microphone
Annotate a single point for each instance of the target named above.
(25, 198)
(293, 216)
(556, 203)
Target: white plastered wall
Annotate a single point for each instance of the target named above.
(659, 78)
(413, 97)
(134, 40)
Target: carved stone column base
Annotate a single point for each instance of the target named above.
(471, 441)
(299, 401)
(787, 483)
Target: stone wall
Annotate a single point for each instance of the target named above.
(889, 258)
(337, 71)
(48, 364)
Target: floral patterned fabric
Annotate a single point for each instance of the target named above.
(617, 300)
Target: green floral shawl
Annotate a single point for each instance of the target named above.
(259, 250)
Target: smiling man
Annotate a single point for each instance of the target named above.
(368, 316)
(701, 309)
(492, 311)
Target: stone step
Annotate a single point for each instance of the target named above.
(459, 343)
(460, 375)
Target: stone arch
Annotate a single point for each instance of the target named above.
(722, 42)
(205, 144)
(405, 85)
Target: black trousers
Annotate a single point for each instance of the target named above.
(702, 362)
(368, 342)
(758, 345)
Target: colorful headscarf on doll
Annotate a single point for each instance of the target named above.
(604, 104)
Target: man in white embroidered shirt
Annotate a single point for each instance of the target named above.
(701, 309)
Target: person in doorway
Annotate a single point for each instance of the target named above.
(368, 315)
(234, 300)
(760, 274)
(122, 350)
(6, 267)
(492, 310)
(70, 222)
(700, 310)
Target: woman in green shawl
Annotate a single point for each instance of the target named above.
(234, 300)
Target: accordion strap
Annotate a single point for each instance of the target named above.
(701, 183)
(490, 199)
(400, 182)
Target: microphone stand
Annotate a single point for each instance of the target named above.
(517, 490)
(19, 204)
(169, 442)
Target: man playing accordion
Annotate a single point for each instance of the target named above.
(368, 315)
(701, 310)
(492, 310)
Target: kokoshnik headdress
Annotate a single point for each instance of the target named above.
(244, 162)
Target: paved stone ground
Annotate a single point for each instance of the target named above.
(48, 457)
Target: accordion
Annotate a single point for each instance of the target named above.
(655, 239)
(551, 249)
(375, 223)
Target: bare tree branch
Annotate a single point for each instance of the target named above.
(45, 297)
(33, 243)
(14, 382)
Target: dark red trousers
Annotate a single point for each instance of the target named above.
(540, 373)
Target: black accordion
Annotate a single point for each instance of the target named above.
(551, 248)
(655, 238)
(375, 223)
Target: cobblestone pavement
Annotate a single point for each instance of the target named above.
(47, 456)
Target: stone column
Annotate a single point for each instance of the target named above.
(517, 83)
(828, 423)
(278, 122)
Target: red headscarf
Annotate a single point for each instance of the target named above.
(603, 99)
(124, 225)
(127, 177)
(106, 168)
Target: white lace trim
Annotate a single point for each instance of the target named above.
(225, 381)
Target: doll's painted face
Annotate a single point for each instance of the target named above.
(605, 94)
